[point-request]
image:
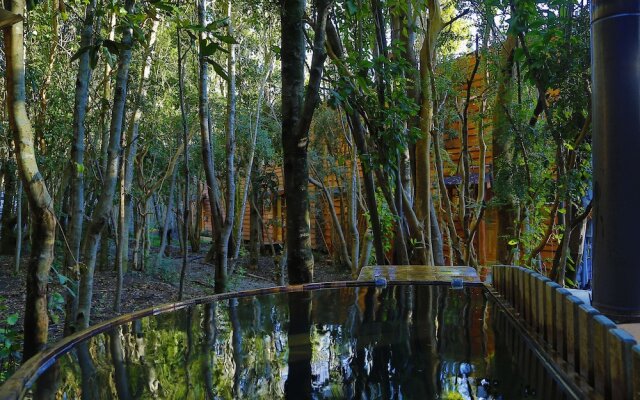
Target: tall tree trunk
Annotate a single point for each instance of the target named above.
(7, 233)
(46, 82)
(357, 130)
(36, 319)
(248, 175)
(167, 218)
(424, 200)
(131, 146)
(213, 190)
(255, 229)
(296, 120)
(18, 254)
(502, 148)
(76, 188)
(227, 228)
(106, 95)
(185, 142)
(102, 212)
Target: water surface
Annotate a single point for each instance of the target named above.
(397, 342)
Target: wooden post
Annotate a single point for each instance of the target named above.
(585, 349)
(522, 273)
(512, 284)
(540, 304)
(550, 313)
(571, 305)
(619, 344)
(601, 327)
(562, 319)
(531, 303)
(636, 371)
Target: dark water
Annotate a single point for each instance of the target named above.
(398, 342)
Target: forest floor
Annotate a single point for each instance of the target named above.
(154, 286)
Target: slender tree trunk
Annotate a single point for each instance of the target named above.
(46, 82)
(167, 218)
(102, 212)
(18, 254)
(131, 146)
(185, 143)
(213, 190)
(343, 249)
(36, 319)
(7, 233)
(76, 188)
(227, 228)
(255, 234)
(502, 148)
(106, 95)
(423, 145)
(248, 175)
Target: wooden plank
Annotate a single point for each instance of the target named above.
(497, 276)
(635, 365)
(510, 287)
(541, 304)
(560, 316)
(619, 344)
(601, 327)
(522, 273)
(585, 342)
(550, 313)
(571, 305)
(531, 303)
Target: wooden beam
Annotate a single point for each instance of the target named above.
(8, 18)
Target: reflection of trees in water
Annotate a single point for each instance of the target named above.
(365, 342)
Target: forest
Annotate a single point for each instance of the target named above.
(212, 145)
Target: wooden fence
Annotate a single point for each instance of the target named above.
(593, 347)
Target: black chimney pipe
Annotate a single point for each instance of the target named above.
(615, 76)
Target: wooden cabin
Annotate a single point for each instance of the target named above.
(273, 209)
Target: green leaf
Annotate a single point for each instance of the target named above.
(80, 52)
(12, 319)
(226, 38)
(111, 46)
(219, 70)
(513, 242)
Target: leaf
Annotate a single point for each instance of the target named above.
(12, 319)
(80, 52)
(226, 38)
(513, 242)
(219, 70)
(207, 49)
(111, 46)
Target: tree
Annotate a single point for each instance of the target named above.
(296, 121)
(36, 320)
(102, 211)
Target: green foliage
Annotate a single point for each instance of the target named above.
(10, 343)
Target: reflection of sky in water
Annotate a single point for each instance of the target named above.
(396, 342)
